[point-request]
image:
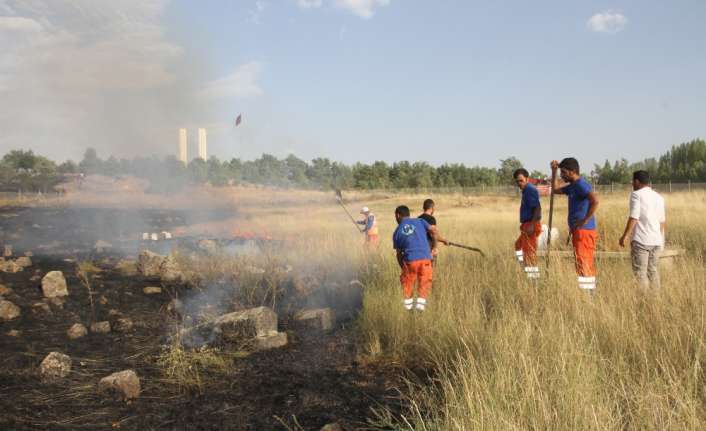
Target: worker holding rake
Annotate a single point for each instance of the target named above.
(370, 228)
(582, 223)
(530, 224)
(414, 256)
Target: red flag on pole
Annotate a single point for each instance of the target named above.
(238, 120)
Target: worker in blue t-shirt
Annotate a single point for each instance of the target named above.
(583, 203)
(414, 256)
(530, 224)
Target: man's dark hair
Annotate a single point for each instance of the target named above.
(428, 204)
(570, 164)
(642, 176)
(402, 210)
(521, 171)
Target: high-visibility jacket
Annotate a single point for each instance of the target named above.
(371, 225)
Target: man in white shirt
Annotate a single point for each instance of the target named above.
(647, 223)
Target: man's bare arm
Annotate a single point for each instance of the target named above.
(436, 236)
(629, 226)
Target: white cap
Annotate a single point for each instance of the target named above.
(364, 210)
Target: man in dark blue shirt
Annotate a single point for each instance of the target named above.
(530, 224)
(414, 256)
(583, 203)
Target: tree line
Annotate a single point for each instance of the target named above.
(24, 170)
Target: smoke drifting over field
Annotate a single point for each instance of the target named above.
(84, 73)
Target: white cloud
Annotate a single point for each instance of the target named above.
(307, 4)
(607, 22)
(18, 23)
(242, 83)
(362, 8)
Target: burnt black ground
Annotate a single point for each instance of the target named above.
(312, 381)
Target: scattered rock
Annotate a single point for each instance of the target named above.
(41, 308)
(125, 384)
(154, 237)
(261, 319)
(7, 251)
(55, 366)
(76, 331)
(149, 264)
(100, 327)
(322, 319)
(24, 261)
(54, 284)
(271, 341)
(101, 246)
(114, 313)
(13, 333)
(4, 290)
(8, 310)
(103, 300)
(10, 266)
(169, 271)
(152, 290)
(332, 427)
(123, 324)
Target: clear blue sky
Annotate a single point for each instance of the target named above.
(443, 81)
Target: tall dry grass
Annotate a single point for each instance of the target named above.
(505, 354)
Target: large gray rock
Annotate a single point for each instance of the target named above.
(8, 310)
(169, 271)
(10, 267)
(55, 366)
(322, 319)
(125, 384)
(271, 341)
(76, 331)
(54, 284)
(262, 321)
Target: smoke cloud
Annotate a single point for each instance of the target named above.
(89, 73)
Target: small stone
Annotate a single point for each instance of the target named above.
(7, 251)
(322, 319)
(76, 331)
(123, 324)
(41, 308)
(126, 384)
(10, 267)
(152, 290)
(332, 427)
(100, 327)
(4, 290)
(55, 366)
(23, 261)
(271, 341)
(13, 333)
(103, 300)
(8, 310)
(54, 284)
(114, 313)
(154, 237)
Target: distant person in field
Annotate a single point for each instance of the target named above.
(645, 228)
(428, 216)
(370, 227)
(530, 224)
(583, 203)
(414, 256)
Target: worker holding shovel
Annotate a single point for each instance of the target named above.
(414, 256)
(370, 228)
(530, 224)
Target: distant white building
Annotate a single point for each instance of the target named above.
(203, 149)
(182, 150)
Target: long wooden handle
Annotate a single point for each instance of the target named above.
(551, 214)
(477, 250)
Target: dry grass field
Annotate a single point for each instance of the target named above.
(492, 351)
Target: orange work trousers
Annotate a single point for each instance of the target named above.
(584, 242)
(528, 242)
(416, 270)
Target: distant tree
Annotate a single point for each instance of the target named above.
(91, 163)
(68, 167)
(507, 167)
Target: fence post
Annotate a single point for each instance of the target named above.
(689, 181)
(670, 186)
(611, 187)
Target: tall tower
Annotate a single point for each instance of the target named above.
(203, 150)
(182, 153)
